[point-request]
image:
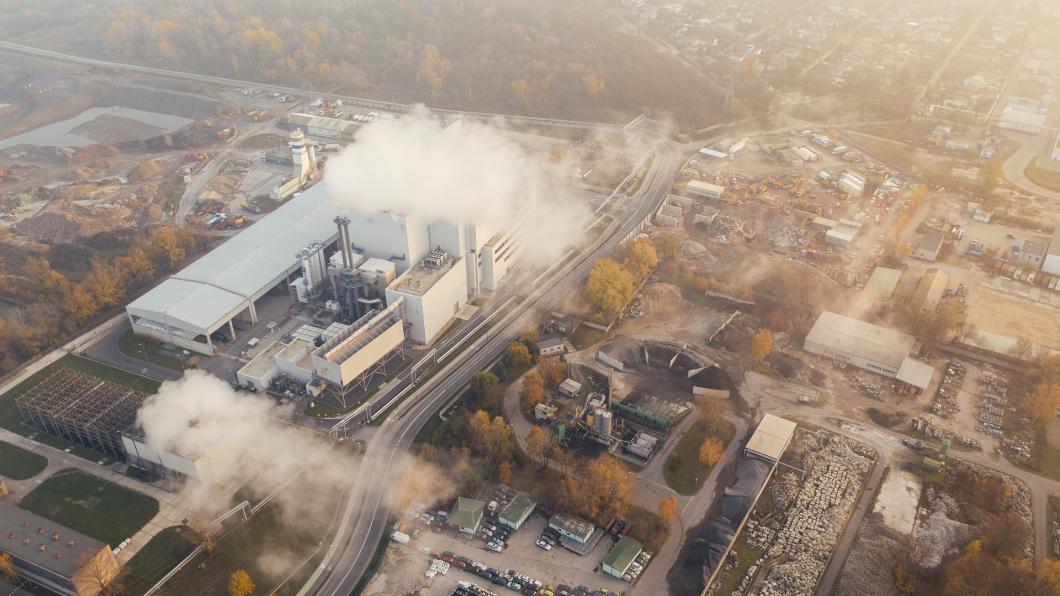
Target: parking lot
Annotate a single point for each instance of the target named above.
(553, 568)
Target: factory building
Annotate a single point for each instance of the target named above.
(287, 250)
(54, 557)
(869, 347)
(1032, 252)
(432, 293)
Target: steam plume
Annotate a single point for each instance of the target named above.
(466, 172)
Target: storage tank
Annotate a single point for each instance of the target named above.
(602, 422)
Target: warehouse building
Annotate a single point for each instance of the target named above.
(515, 514)
(771, 438)
(621, 556)
(1019, 120)
(869, 347)
(705, 189)
(1032, 252)
(54, 557)
(878, 289)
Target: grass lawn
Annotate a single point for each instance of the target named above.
(647, 527)
(92, 506)
(898, 155)
(905, 132)
(149, 350)
(1048, 461)
(18, 464)
(157, 557)
(243, 548)
(683, 471)
(265, 140)
(1043, 177)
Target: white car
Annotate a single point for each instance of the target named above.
(542, 544)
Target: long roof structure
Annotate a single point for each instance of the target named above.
(851, 336)
(223, 281)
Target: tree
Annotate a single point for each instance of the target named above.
(483, 385)
(491, 439)
(240, 584)
(433, 68)
(505, 472)
(1042, 404)
(517, 354)
(594, 84)
(711, 450)
(533, 391)
(609, 289)
(607, 488)
(761, 344)
(667, 246)
(103, 571)
(7, 569)
(553, 370)
(105, 284)
(668, 510)
(539, 445)
(79, 305)
(529, 333)
(639, 257)
(206, 529)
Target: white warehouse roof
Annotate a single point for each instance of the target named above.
(207, 291)
(851, 336)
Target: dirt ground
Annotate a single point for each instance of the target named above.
(107, 129)
(897, 500)
(1011, 316)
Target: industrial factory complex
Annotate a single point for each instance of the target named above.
(370, 282)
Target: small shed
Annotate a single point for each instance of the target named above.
(551, 346)
(466, 514)
(621, 557)
(518, 511)
(570, 388)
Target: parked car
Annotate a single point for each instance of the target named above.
(541, 543)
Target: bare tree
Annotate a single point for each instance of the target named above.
(100, 573)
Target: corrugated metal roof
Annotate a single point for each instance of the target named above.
(915, 373)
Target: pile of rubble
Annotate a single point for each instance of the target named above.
(945, 403)
(934, 431)
(813, 510)
(870, 388)
(869, 568)
(995, 394)
(935, 534)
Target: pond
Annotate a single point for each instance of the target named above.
(60, 134)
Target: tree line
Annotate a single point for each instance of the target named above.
(59, 304)
(549, 58)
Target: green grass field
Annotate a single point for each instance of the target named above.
(243, 548)
(683, 471)
(92, 506)
(157, 557)
(18, 464)
(905, 132)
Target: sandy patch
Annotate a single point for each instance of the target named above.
(898, 499)
(996, 312)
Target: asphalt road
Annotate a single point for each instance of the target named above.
(366, 509)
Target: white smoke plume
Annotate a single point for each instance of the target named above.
(465, 172)
(245, 441)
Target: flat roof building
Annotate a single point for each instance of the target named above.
(864, 345)
(621, 557)
(704, 189)
(551, 345)
(879, 287)
(432, 293)
(576, 529)
(53, 556)
(570, 388)
(771, 438)
(1033, 252)
(929, 246)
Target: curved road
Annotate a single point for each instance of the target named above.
(366, 511)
